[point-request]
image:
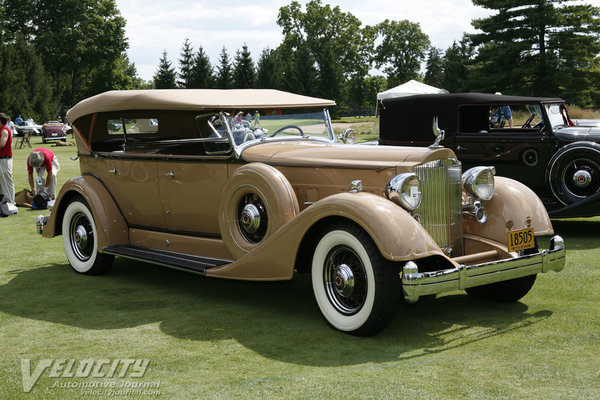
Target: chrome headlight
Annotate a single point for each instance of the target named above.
(404, 190)
(479, 182)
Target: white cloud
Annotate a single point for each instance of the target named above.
(235, 23)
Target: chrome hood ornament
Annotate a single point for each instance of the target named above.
(439, 133)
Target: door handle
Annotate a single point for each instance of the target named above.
(170, 174)
(113, 171)
(498, 149)
(459, 147)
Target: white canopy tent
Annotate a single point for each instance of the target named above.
(409, 88)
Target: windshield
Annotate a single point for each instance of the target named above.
(247, 127)
(557, 115)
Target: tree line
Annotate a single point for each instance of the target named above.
(547, 48)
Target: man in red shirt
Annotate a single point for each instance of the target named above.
(7, 186)
(43, 160)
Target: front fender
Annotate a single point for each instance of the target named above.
(512, 201)
(395, 232)
(110, 224)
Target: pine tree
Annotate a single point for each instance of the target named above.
(186, 64)
(224, 75)
(267, 75)
(165, 76)
(243, 73)
(434, 68)
(202, 71)
(540, 48)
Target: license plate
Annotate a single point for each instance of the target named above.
(520, 240)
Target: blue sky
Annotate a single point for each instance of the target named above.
(212, 24)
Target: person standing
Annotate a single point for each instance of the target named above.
(7, 186)
(43, 160)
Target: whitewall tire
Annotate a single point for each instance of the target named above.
(80, 240)
(355, 289)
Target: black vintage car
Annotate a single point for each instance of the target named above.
(529, 139)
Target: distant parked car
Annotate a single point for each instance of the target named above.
(540, 147)
(28, 126)
(54, 130)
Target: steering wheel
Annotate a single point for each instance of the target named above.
(286, 127)
(527, 123)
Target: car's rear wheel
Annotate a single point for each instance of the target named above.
(574, 173)
(80, 240)
(354, 289)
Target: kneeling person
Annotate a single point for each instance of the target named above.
(43, 160)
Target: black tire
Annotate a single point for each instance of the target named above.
(509, 291)
(574, 172)
(80, 240)
(357, 291)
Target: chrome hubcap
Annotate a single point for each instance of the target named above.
(344, 280)
(250, 218)
(81, 237)
(582, 178)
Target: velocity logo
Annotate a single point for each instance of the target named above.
(89, 368)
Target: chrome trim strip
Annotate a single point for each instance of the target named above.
(416, 284)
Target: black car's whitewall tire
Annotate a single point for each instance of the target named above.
(354, 289)
(80, 240)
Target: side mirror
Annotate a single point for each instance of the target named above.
(347, 137)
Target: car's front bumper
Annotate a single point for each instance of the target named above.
(416, 284)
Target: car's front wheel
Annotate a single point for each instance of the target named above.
(80, 240)
(355, 290)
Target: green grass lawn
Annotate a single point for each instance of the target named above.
(216, 339)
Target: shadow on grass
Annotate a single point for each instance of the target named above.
(277, 320)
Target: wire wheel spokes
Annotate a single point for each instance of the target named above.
(345, 280)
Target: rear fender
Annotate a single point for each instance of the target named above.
(110, 224)
(395, 232)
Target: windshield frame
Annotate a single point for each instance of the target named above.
(239, 147)
(562, 116)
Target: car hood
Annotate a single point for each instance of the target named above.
(579, 133)
(319, 154)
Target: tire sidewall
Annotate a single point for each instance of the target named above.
(346, 323)
(560, 160)
(72, 210)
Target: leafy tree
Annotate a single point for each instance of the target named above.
(186, 65)
(72, 37)
(332, 38)
(243, 72)
(224, 73)
(541, 48)
(434, 67)
(165, 75)
(401, 51)
(25, 87)
(202, 72)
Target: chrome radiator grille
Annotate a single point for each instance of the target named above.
(440, 211)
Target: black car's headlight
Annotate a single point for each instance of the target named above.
(479, 182)
(404, 190)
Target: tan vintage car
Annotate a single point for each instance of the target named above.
(251, 184)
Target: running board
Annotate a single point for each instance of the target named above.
(181, 261)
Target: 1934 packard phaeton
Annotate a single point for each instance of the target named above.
(169, 177)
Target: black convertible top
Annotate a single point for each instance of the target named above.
(409, 119)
